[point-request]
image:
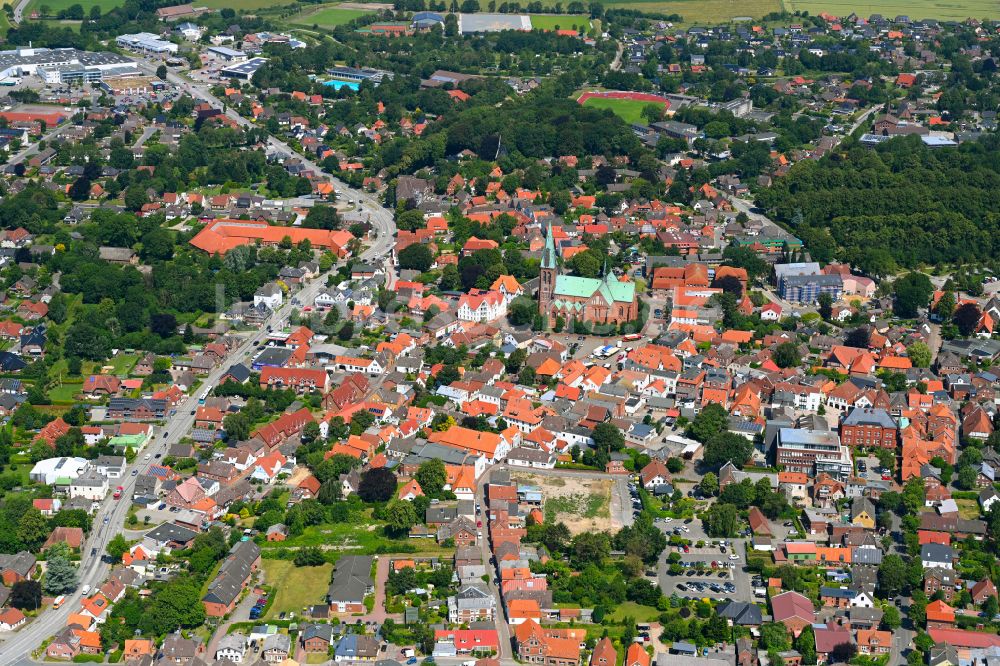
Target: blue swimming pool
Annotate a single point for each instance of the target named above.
(337, 84)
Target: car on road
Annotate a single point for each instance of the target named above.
(165, 435)
(158, 456)
(135, 472)
(106, 520)
(118, 492)
(93, 551)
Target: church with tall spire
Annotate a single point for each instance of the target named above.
(605, 300)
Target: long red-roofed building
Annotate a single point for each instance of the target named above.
(221, 236)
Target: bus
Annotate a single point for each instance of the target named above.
(204, 395)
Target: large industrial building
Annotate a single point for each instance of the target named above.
(146, 42)
(63, 65)
(243, 70)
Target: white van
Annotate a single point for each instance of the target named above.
(86, 590)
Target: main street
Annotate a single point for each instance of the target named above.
(110, 518)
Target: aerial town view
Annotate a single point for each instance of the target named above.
(485, 333)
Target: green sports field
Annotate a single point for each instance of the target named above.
(629, 110)
(55, 6)
(328, 16)
(559, 21)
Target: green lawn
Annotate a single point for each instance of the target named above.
(636, 611)
(66, 393)
(559, 21)
(937, 9)
(294, 586)
(122, 364)
(328, 16)
(628, 110)
(54, 6)
(342, 535)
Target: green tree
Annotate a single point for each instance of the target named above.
(710, 421)
(117, 546)
(237, 426)
(727, 447)
(722, 520)
(786, 355)
(432, 476)
(709, 484)
(417, 257)
(825, 306)
(891, 576)
(912, 292)
(400, 516)
(774, 636)
(806, 645)
(377, 485)
(891, 619)
(919, 354)
(32, 529)
(607, 437)
(945, 306)
(26, 595)
(60, 574)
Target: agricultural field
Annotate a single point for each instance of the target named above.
(295, 587)
(704, 12)
(937, 9)
(559, 21)
(327, 16)
(627, 109)
(582, 504)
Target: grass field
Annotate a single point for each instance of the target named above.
(559, 21)
(295, 586)
(636, 611)
(968, 508)
(328, 16)
(243, 4)
(628, 110)
(938, 9)
(705, 12)
(54, 6)
(65, 393)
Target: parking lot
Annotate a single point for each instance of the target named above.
(714, 571)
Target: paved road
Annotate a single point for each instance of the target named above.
(380, 217)
(110, 518)
(19, 10)
(502, 626)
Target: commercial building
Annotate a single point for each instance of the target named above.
(51, 470)
(804, 282)
(227, 54)
(813, 452)
(359, 74)
(146, 42)
(869, 427)
(61, 65)
(243, 70)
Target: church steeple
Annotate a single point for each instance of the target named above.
(549, 253)
(547, 273)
